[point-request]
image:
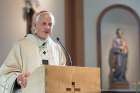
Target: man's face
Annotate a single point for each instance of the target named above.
(44, 26)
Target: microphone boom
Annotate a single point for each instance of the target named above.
(66, 52)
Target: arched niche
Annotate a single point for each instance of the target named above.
(111, 18)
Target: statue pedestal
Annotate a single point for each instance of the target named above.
(119, 85)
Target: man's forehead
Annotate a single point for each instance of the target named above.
(44, 17)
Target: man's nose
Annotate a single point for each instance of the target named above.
(47, 27)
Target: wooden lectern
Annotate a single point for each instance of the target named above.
(64, 79)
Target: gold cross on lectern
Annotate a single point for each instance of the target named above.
(73, 89)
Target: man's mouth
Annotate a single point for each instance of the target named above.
(47, 32)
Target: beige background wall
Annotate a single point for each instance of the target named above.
(12, 25)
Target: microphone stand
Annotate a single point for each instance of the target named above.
(66, 52)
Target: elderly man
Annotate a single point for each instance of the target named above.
(29, 53)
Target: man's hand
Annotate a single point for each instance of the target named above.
(22, 79)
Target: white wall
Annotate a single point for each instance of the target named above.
(13, 27)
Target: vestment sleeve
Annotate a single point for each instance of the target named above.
(10, 69)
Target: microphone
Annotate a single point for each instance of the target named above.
(65, 50)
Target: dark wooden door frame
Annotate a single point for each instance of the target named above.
(74, 37)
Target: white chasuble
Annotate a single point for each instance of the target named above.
(27, 55)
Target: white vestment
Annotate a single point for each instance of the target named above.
(27, 55)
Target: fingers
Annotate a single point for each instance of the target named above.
(22, 79)
(19, 79)
(24, 83)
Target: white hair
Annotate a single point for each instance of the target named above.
(37, 16)
(46, 12)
